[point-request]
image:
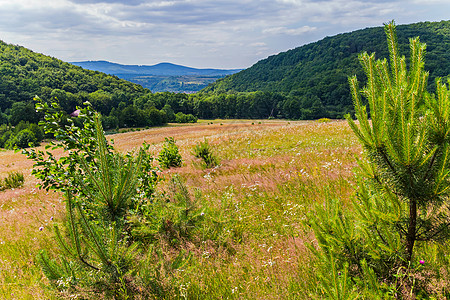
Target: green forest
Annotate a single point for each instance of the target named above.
(314, 78)
(309, 82)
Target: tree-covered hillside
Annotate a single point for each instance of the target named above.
(24, 74)
(318, 72)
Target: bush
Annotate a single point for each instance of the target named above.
(5, 137)
(38, 132)
(170, 155)
(203, 151)
(23, 139)
(21, 135)
(183, 118)
(323, 120)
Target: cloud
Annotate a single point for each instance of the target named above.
(289, 31)
(201, 33)
(129, 2)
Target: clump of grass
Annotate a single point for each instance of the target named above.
(13, 180)
(203, 151)
(323, 120)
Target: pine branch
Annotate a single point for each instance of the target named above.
(51, 270)
(98, 248)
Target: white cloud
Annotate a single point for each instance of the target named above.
(289, 31)
(258, 44)
(199, 33)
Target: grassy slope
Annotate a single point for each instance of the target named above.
(271, 175)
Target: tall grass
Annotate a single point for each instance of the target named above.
(251, 240)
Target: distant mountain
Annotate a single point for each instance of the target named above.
(161, 69)
(160, 77)
(317, 73)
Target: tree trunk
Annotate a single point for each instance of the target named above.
(411, 235)
(404, 286)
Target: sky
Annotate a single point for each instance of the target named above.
(225, 34)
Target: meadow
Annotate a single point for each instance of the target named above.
(271, 174)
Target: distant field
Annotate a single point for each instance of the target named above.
(271, 173)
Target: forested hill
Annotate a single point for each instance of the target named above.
(24, 74)
(318, 72)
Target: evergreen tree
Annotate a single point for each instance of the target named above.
(407, 140)
(404, 188)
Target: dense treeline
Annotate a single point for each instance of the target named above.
(315, 75)
(252, 105)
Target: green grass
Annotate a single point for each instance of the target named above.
(20, 276)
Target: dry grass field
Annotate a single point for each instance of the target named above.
(270, 176)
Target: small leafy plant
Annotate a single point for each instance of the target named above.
(103, 188)
(203, 151)
(170, 155)
(175, 216)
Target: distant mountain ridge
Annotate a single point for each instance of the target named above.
(160, 77)
(161, 69)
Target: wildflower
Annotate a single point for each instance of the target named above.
(421, 262)
(41, 228)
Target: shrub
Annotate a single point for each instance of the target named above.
(13, 180)
(38, 132)
(323, 120)
(203, 151)
(23, 139)
(183, 118)
(5, 137)
(103, 188)
(170, 155)
(22, 135)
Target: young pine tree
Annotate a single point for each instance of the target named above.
(404, 188)
(406, 139)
